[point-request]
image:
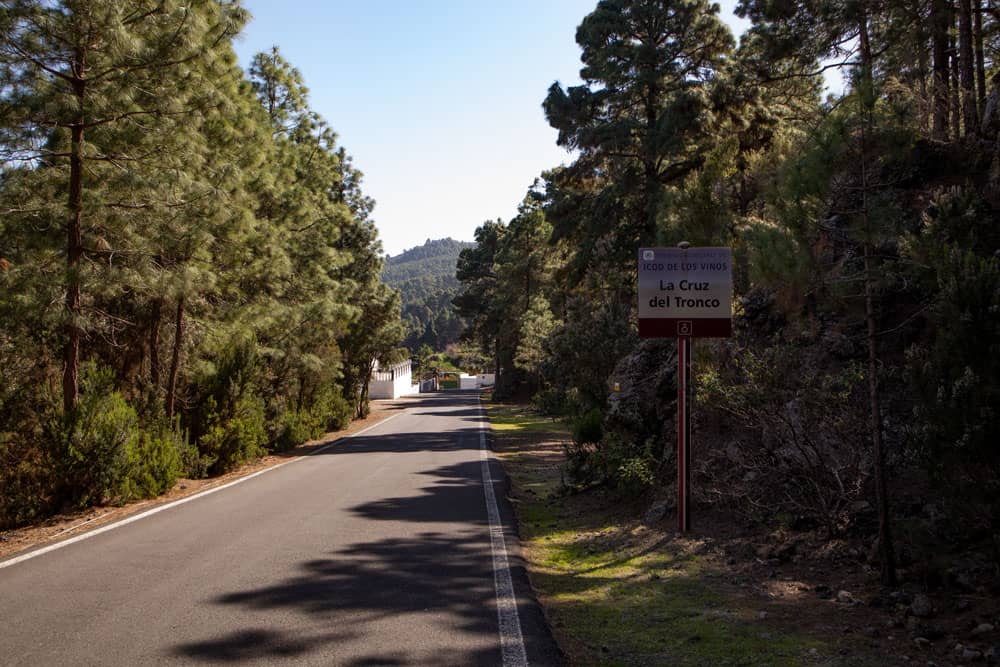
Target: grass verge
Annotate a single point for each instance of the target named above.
(617, 592)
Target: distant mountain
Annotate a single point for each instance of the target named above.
(425, 277)
(432, 259)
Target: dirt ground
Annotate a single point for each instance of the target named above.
(67, 525)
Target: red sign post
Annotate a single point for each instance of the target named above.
(683, 432)
(685, 293)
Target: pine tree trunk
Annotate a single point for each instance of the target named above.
(363, 394)
(496, 366)
(649, 166)
(940, 87)
(886, 551)
(956, 94)
(885, 545)
(980, 61)
(175, 361)
(74, 241)
(363, 400)
(966, 68)
(154, 341)
(922, 74)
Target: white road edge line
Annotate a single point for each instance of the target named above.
(161, 508)
(512, 650)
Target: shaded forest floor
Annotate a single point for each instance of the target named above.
(620, 586)
(70, 524)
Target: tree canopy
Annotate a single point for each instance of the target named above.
(187, 253)
(858, 224)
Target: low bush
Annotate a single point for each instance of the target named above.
(587, 428)
(156, 460)
(550, 402)
(92, 443)
(26, 479)
(329, 411)
(101, 453)
(232, 438)
(790, 438)
(956, 380)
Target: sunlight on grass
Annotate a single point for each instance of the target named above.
(521, 418)
(526, 424)
(618, 594)
(652, 607)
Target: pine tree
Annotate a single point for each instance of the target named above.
(645, 111)
(305, 302)
(377, 330)
(804, 32)
(476, 270)
(86, 82)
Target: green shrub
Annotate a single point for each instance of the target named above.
(231, 439)
(97, 453)
(790, 437)
(296, 427)
(102, 452)
(235, 371)
(587, 428)
(585, 458)
(27, 473)
(338, 411)
(635, 474)
(550, 402)
(228, 423)
(155, 463)
(26, 479)
(957, 381)
(92, 444)
(194, 464)
(329, 411)
(628, 466)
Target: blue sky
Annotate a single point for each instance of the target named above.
(439, 101)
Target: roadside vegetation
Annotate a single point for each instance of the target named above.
(189, 273)
(618, 591)
(854, 408)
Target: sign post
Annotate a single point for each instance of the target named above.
(685, 293)
(683, 432)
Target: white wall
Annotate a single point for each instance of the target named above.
(392, 383)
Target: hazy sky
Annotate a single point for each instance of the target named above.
(439, 101)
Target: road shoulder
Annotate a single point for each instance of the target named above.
(16, 542)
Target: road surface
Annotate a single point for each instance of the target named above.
(376, 551)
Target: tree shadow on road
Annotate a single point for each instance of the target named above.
(254, 644)
(361, 585)
(438, 578)
(455, 496)
(429, 441)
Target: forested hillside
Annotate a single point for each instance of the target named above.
(859, 393)
(189, 271)
(425, 278)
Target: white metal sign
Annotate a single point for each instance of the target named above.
(685, 292)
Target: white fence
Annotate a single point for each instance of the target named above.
(391, 383)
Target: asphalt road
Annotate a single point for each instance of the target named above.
(377, 551)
